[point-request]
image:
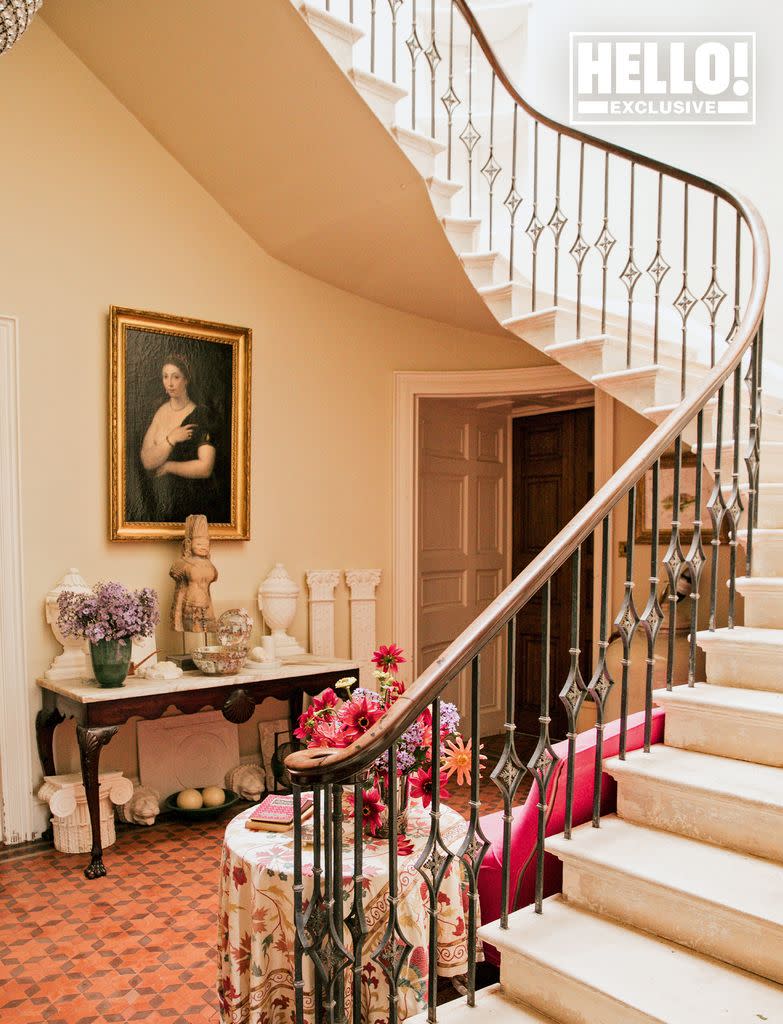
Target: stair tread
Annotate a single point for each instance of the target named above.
(418, 139)
(491, 1003)
(380, 85)
(625, 963)
(635, 371)
(759, 582)
(748, 885)
(758, 784)
(754, 636)
(734, 699)
(336, 24)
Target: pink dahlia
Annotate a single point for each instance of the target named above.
(387, 658)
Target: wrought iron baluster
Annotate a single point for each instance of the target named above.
(475, 843)
(630, 272)
(685, 300)
(394, 7)
(433, 59)
(543, 760)
(356, 922)
(394, 948)
(759, 417)
(299, 932)
(658, 269)
(534, 227)
(737, 278)
(696, 558)
(627, 619)
(373, 5)
(350, 12)
(314, 923)
(574, 691)
(752, 453)
(509, 772)
(605, 243)
(557, 221)
(652, 617)
(414, 49)
(432, 864)
(470, 135)
(326, 960)
(513, 199)
(449, 99)
(716, 506)
(601, 682)
(674, 561)
(340, 958)
(580, 248)
(735, 507)
(714, 295)
(491, 168)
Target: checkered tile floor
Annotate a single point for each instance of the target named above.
(137, 945)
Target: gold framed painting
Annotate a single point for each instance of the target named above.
(179, 413)
(644, 510)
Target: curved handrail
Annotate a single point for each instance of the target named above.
(319, 766)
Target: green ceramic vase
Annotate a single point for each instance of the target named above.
(111, 661)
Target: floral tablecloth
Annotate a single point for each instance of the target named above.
(256, 921)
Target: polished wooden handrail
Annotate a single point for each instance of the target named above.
(317, 766)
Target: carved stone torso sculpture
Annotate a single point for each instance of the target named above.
(193, 575)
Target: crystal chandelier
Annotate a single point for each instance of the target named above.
(15, 16)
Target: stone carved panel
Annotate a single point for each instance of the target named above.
(363, 584)
(321, 584)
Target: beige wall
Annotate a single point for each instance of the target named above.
(95, 212)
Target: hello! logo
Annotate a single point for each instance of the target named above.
(663, 78)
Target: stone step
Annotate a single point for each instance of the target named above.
(767, 551)
(584, 969)
(734, 804)
(538, 329)
(725, 720)
(771, 466)
(336, 35)
(420, 149)
(641, 387)
(462, 232)
(718, 902)
(506, 300)
(588, 356)
(485, 268)
(745, 657)
(770, 504)
(763, 596)
(442, 191)
(492, 1004)
(380, 96)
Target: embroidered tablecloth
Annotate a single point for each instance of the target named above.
(256, 921)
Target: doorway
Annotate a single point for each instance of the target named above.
(552, 478)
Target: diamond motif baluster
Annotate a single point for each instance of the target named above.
(658, 269)
(714, 295)
(394, 947)
(314, 919)
(300, 938)
(630, 273)
(543, 760)
(433, 59)
(373, 4)
(605, 243)
(513, 199)
(627, 619)
(580, 248)
(734, 507)
(574, 691)
(394, 7)
(558, 220)
(737, 258)
(509, 772)
(414, 49)
(696, 558)
(534, 227)
(674, 561)
(651, 618)
(601, 681)
(685, 300)
(491, 168)
(449, 99)
(752, 456)
(356, 923)
(716, 505)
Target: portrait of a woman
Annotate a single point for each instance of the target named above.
(179, 450)
(180, 425)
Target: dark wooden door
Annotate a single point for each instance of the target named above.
(552, 480)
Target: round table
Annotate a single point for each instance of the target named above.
(256, 921)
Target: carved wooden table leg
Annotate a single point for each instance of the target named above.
(295, 709)
(46, 721)
(90, 742)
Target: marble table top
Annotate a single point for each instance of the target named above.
(87, 691)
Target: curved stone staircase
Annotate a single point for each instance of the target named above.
(673, 909)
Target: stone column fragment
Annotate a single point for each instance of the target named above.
(363, 583)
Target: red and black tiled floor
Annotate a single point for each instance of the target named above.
(137, 945)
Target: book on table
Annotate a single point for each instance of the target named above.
(275, 813)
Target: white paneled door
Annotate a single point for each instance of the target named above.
(462, 556)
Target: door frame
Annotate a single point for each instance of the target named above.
(410, 387)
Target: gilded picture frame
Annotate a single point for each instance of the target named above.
(179, 425)
(688, 470)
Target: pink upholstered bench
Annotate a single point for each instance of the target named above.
(525, 820)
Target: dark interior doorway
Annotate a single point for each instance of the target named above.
(553, 477)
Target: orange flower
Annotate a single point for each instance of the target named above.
(457, 758)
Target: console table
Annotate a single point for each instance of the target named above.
(100, 712)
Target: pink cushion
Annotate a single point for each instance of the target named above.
(525, 819)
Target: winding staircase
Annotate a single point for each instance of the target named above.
(649, 282)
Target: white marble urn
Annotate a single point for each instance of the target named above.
(277, 598)
(73, 663)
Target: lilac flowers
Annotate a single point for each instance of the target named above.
(110, 612)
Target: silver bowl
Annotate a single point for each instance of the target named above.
(218, 660)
